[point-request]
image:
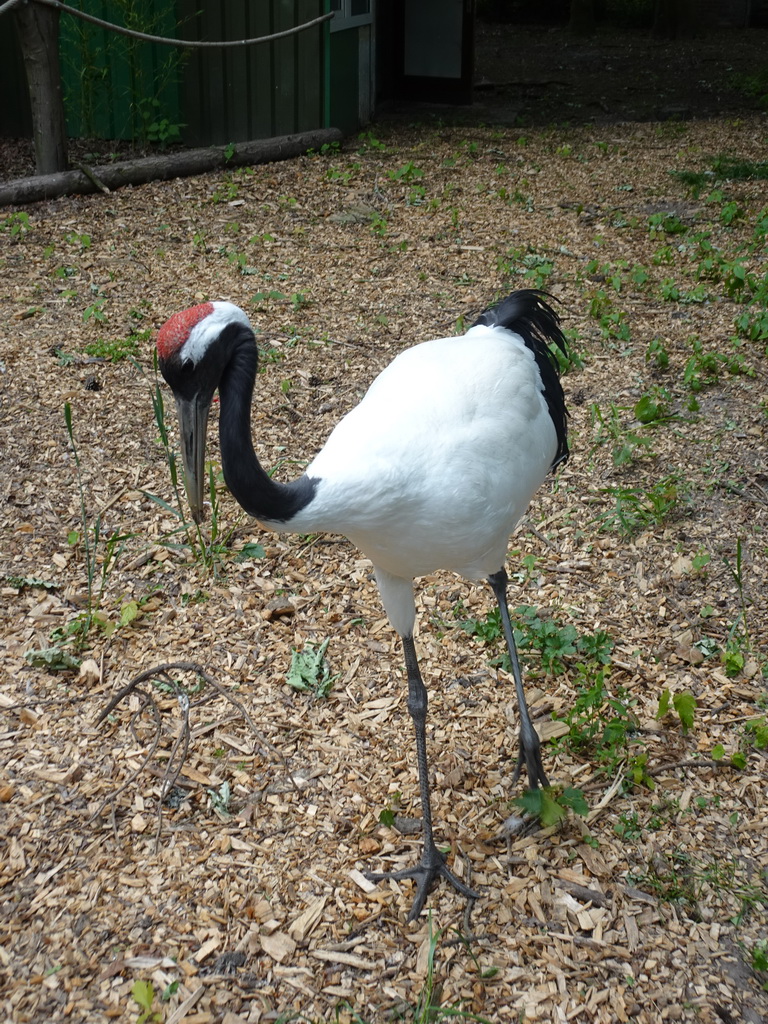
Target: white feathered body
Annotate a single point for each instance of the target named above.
(438, 462)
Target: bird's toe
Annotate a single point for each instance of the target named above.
(431, 867)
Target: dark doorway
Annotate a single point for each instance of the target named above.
(426, 50)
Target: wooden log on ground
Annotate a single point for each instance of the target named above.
(163, 166)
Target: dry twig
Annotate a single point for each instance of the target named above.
(181, 742)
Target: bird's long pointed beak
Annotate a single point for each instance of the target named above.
(193, 423)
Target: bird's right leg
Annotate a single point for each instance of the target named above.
(432, 863)
(530, 747)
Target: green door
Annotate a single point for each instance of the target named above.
(351, 91)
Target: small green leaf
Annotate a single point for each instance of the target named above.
(647, 410)
(143, 992)
(250, 550)
(656, 353)
(309, 671)
(574, 798)
(733, 660)
(54, 659)
(718, 752)
(760, 956)
(664, 702)
(170, 990)
(387, 817)
(638, 772)
(707, 645)
(685, 706)
(128, 612)
(220, 799)
(759, 729)
(700, 560)
(541, 804)
(739, 760)
(30, 581)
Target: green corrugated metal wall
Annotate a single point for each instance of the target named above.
(257, 91)
(117, 88)
(344, 83)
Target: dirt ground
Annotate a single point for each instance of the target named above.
(212, 841)
(542, 75)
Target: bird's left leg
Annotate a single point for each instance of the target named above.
(432, 863)
(530, 747)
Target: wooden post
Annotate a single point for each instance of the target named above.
(38, 31)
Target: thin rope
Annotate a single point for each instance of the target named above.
(182, 43)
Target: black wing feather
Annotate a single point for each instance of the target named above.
(526, 313)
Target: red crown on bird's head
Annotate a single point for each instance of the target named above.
(175, 331)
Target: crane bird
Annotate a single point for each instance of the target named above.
(431, 470)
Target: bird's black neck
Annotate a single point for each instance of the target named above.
(253, 488)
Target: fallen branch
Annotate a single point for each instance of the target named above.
(112, 797)
(189, 666)
(163, 166)
(182, 740)
(704, 762)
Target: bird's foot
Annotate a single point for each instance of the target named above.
(424, 874)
